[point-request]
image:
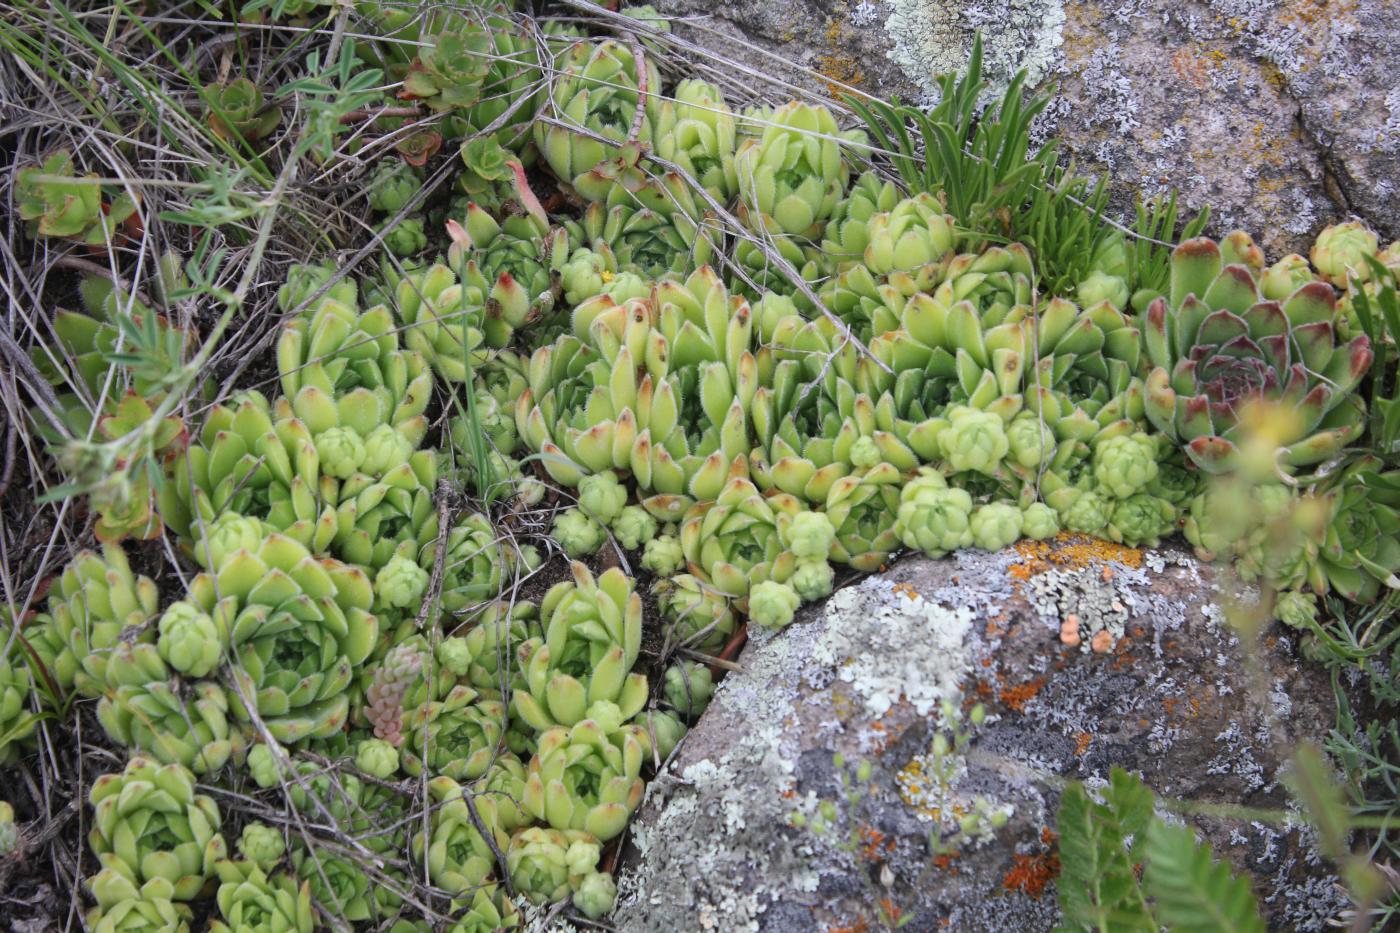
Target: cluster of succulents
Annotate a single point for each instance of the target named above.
(738, 418)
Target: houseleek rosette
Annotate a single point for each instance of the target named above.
(458, 857)
(337, 349)
(548, 865)
(1216, 346)
(792, 176)
(247, 463)
(148, 823)
(734, 541)
(249, 900)
(586, 777)
(863, 508)
(16, 721)
(848, 232)
(512, 80)
(456, 736)
(490, 910)
(698, 614)
(298, 627)
(592, 635)
(123, 907)
(146, 708)
(702, 137)
(598, 87)
(644, 242)
(508, 266)
(659, 387)
(96, 602)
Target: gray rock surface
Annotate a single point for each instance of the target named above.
(1283, 115)
(869, 674)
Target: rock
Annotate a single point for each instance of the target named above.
(1282, 115)
(874, 673)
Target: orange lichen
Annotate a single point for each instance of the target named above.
(836, 65)
(944, 862)
(860, 926)
(1068, 551)
(875, 846)
(1101, 642)
(906, 590)
(1081, 742)
(1030, 874)
(1016, 697)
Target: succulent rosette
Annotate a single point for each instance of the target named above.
(96, 603)
(773, 604)
(688, 687)
(456, 736)
(734, 542)
(863, 508)
(907, 246)
(16, 721)
(122, 906)
(489, 911)
(792, 176)
(337, 884)
(148, 823)
(649, 244)
(298, 628)
(995, 525)
(586, 777)
(578, 533)
(148, 709)
(1360, 549)
(1125, 464)
(1141, 520)
(1341, 250)
(443, 317)
(247, 463)
(663, 555)
(1039, 521)
(699, 614)
(53, 201)
(510, 88)
(1216, 346)
(548, 865)
(250, 901)
(509, 266)
(659, 387)
(458, 857)
(702, 137)
(451, 65)
(933, 516)
(598, 87)
(476, 559)
(847, 234)
(592, 634)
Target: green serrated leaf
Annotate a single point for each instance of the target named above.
(1193, 892)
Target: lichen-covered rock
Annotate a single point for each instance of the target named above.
(890, 672)
(1281, 114)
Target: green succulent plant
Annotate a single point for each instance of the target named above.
(262, 845)
(996, 525)
(933, 516)
(773, 604)
(337, 884)
(147, 709)
(592, 634)
(703, 137)
(458, 857)
(238, 110)
(1216, 346)
(251, 902)
(663, 555)
(489, 911)
(148, 823)
(456, 736)
(96, 603)
(700, 615)
(510, 88)
(123, 906)
(658, 387)
(1341, 250)
(634, 527)
(298, 627)
(508, 267)
(688, 687)
(596, 895)
(1141, 520)
(548, 865)
(1360, 548)
(792, 176)
(639, 241)
(17, 722)
(449, 70)
(586, 777)
(55, 202)
(848, 233)
(863, 507)
(735, 541)
(578, 534)
(598, 88)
